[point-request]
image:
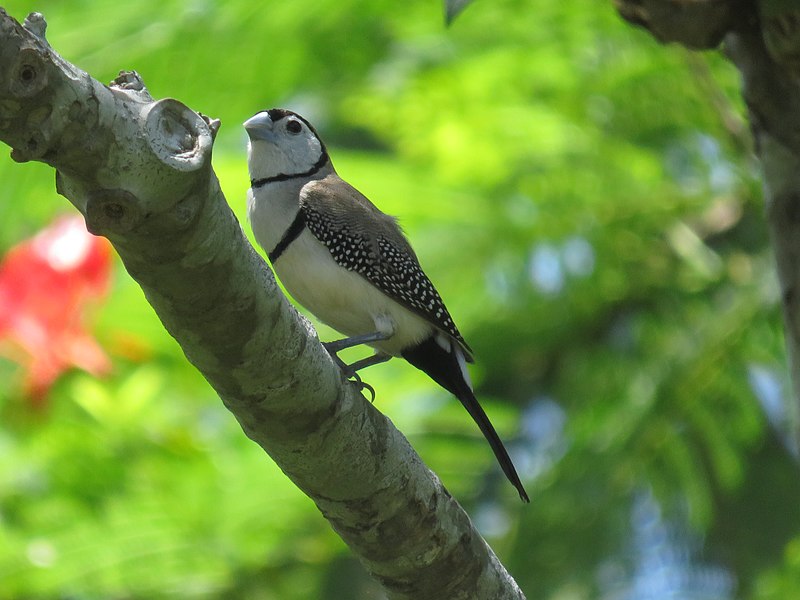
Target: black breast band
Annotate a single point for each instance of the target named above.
(290, 235)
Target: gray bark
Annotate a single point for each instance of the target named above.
(140, 172)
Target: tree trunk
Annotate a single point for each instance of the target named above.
(763, 41)
(140, 172)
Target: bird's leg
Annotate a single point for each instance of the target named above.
(351, 371)
(375, 359)
(356, 340)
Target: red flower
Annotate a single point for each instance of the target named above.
(45, 285)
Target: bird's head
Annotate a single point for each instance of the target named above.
(282, 143)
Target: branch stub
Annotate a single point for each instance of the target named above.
(177, 135)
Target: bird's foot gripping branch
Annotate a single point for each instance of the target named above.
(140, 173)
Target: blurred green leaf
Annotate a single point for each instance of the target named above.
(596, 229)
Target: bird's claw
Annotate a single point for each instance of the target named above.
(350, 372)
(355, 379)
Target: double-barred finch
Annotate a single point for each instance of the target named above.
(350, 264)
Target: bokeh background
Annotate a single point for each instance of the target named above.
(587, 203)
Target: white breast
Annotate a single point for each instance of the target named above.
(345, 300)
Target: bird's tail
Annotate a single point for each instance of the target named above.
(446, 367)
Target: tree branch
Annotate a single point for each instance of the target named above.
(140, 172)
(697, 24)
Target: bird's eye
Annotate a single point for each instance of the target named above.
(294, 126)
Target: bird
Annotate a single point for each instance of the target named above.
(350, 264)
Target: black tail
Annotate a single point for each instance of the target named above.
(443, 367)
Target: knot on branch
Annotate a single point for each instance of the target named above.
(696, 24)
(112, 212)
(26, 101)
(28, 75)
(35, 146)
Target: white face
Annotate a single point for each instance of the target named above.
(281, 143)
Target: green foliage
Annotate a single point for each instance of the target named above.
(595, 227)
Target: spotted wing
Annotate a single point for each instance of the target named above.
(362, 239)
